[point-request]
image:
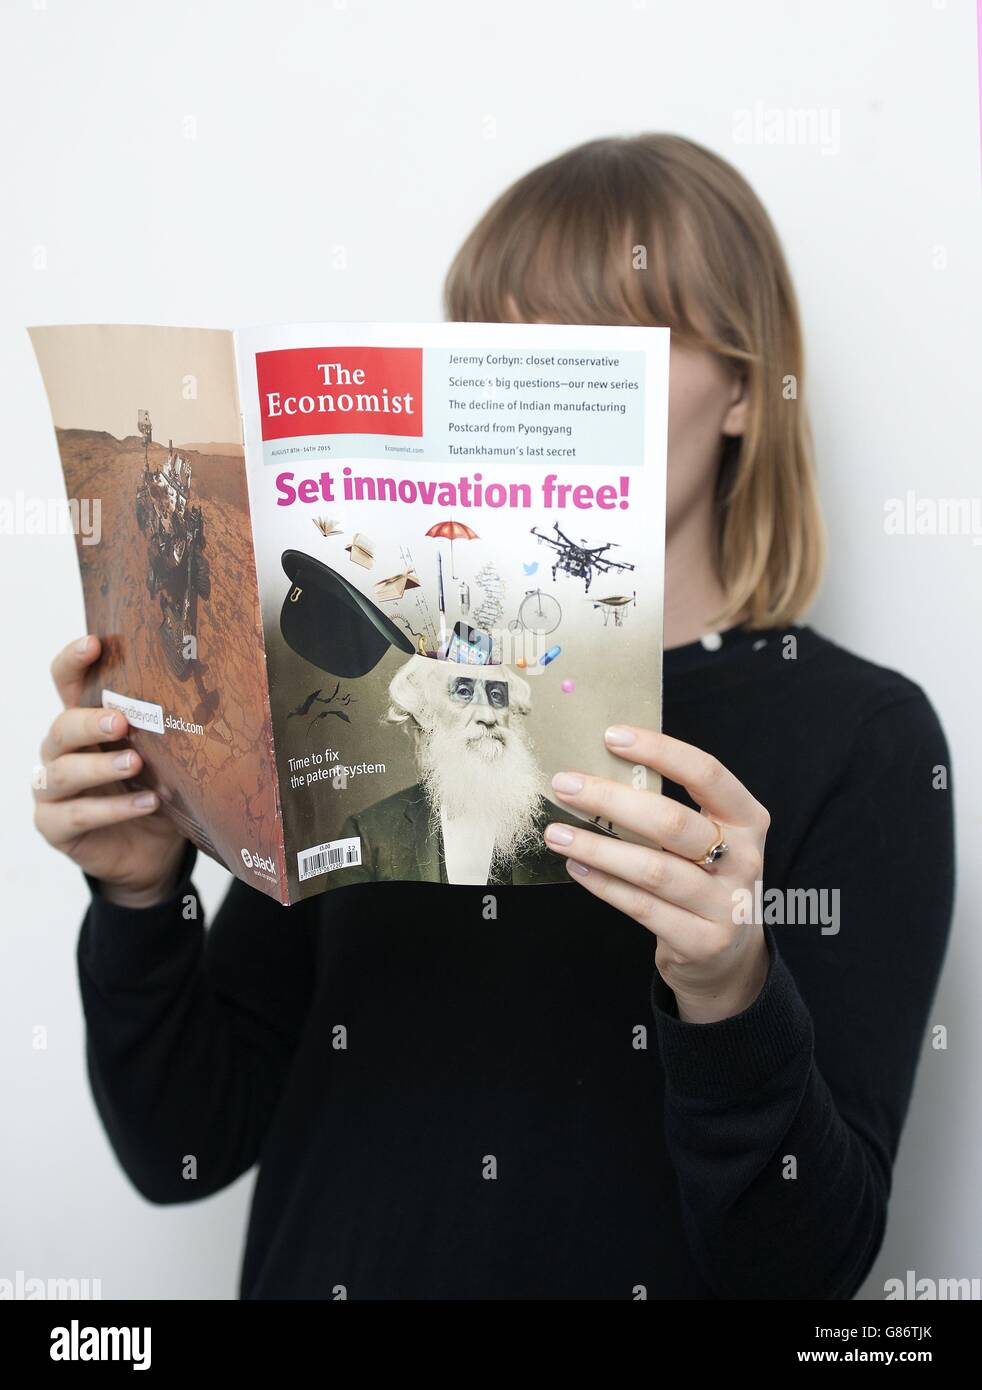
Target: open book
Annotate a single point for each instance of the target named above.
(364, 589)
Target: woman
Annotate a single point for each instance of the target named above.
(683, 1074)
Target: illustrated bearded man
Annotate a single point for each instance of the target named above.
(477, 812)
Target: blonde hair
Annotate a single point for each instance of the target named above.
(657, 230)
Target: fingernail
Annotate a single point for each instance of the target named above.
(122, 761)
(144, 799)
(82, 646)
(559, 835)
(575, 867)
(106, 723)
(567, 783)
(619, 737)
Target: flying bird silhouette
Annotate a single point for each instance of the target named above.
(324, 714)
(305, 707)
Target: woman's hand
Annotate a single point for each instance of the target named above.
(715, 966)
(119, 837)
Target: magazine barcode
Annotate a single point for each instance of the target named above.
(324, 859)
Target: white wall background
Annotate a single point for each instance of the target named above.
(202, 162)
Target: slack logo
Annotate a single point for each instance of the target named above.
(258, 862)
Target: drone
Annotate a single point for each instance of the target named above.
(580, 561)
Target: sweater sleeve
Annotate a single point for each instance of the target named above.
(783, 1122)
(190, 1032)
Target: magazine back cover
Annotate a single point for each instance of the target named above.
(149, 434)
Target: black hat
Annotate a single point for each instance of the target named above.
(332, 624)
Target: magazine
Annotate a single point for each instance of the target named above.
(363, 589)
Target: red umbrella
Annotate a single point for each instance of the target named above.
(452, 531)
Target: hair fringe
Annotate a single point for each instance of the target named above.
(563, 245)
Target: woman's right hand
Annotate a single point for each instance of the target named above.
(119, 837)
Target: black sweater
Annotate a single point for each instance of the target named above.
(444, 1106)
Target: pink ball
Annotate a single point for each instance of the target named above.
(567, 687)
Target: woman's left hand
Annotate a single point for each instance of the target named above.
(715, 965)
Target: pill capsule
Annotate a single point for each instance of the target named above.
(550, 655)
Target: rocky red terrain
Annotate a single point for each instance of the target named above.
(220, 784)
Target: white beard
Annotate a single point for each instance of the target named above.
(489, 778)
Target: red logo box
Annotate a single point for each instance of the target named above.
(340, 390)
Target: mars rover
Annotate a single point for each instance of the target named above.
(178, 571)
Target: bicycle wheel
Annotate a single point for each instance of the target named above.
(539, 612)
